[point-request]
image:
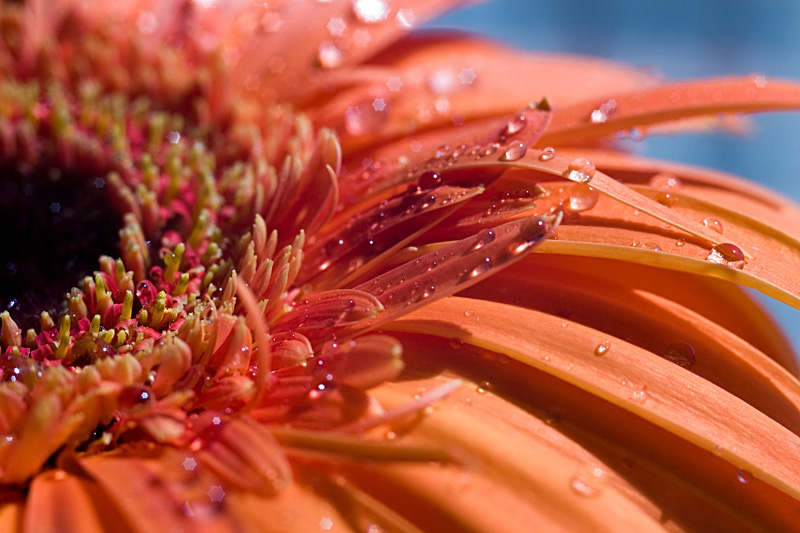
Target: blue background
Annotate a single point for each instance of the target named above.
(680, 39)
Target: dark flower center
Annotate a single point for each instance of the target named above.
(54, 228)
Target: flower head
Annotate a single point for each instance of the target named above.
(259, 280)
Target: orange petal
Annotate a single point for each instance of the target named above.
(454, 267)
(632, 379)
(574, 124)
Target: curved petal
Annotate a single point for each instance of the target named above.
(671, 102)
(711, 422)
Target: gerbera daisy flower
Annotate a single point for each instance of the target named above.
(288, 267)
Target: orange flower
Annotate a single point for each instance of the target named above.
(322, 312)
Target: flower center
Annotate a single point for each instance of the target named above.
(55, 226)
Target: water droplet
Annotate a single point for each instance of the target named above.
(602, 348)
(713, 224)
(429, 180)
(588, 481)
(547, 154)
(515, 124)
(371, 11)
(680, 353)
(666, 199)
(480, 268)
(581, 170)
(483, 238)
(727, 254)
(680, 242)
(484, 387)
(744, 476)
(489, 150)
(640, 395)
(456, 343)
(582, 198)
(516, 150)
(329, 55)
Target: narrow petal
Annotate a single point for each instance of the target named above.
(574, 124)
(634, 380)
(454, 267)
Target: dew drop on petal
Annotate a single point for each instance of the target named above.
(429, 179)
(582, 198)
(456, 343)
(713, 224)
(516, 150)
(666, 199)
(680, 242)
(639, 395)
(483, 387)
(727, 254)
(490, 149)
(469, 313)
(480, 268)
(588, 482)
(547, 154)
(516, 124)
(581, 170)
(483, 238)
(744, 476)
(602, 348)
(680, 353)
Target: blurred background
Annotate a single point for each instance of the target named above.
(680, 39)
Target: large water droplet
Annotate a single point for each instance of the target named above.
(680, 353)
(727, 254)
(666, 199)
(516, 124)
(713, 224)
(582, 198)
(514, 151)
(547, 154)
(581, 170)
(429, 180)
(744, 476)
